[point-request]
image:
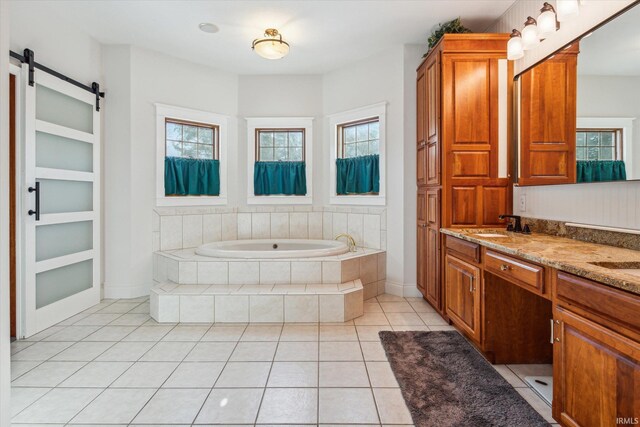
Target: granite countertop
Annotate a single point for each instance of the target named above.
(572, 256)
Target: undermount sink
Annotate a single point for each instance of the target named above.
(489, 235)
(628, 267)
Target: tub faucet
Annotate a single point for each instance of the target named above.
(350, 241)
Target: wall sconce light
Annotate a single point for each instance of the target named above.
(567, 9)
(530, 34)
(547, 23)
(514, 46)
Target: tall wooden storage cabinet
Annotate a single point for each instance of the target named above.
(464, 89)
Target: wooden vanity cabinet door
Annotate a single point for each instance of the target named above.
(548, 121)
(462, 295)
(596, 373)
(421, 126)
(432, 116)
(422, 240)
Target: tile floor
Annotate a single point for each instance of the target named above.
(113, 364)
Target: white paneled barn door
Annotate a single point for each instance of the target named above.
(61, 194)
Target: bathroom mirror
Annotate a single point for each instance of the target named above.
(578, 118)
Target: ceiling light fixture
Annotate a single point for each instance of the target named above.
(272, 46)
(567, 9)
(514, 46)
(530, 34)
(208, 27)
(547, 23)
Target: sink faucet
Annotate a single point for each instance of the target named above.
(517, 227)
(350, 241)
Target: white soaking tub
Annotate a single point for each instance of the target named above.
(273, 248)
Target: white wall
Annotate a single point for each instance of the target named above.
(130, 162)
(608, 204)
(281, 96)
(388, 76)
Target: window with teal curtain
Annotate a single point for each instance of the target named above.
(358, 175)
(279, 178)
(191, 177)
(600, 170)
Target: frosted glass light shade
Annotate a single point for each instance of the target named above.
(530, 34)
(546, 24)
(271, 49)
(567, 9)
(514, 47)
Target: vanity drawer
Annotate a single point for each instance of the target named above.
(601, 303)
(522, 273)
(464, 249)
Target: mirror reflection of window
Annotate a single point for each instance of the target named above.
(599, 144)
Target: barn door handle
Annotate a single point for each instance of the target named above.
(37, 211)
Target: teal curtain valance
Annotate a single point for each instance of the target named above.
(285, 178)
(358, 175)
(598, 170)
(191, 177)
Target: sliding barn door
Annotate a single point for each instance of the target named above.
(62, 201)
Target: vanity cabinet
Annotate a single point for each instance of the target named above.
(462, 284)
(462, 86)
(596, 354)
(548, 121)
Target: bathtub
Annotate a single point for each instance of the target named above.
(273, 248)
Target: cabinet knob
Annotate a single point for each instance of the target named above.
(504, 267)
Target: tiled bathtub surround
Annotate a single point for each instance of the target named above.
(188, 227)
(301, 303)
(184, 267)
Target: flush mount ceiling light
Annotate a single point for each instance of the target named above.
(547, 23)
(208, 27)
(272, 46)
(514, 46)
(530, 34)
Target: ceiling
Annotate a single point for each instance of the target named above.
(613, 49)
(324, 35)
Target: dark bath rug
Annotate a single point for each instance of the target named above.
(446, 382)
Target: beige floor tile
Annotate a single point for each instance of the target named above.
(211, 352)
(433, 319)
(338, 333)
(397, 307)
(391, 406)
(146, 375)
(289, 405)
(132, 319)
(168, 351)
(41, 351)
(48, 374)
(97, 319)
(370, 333)
(299, 333)
(442, 328)
(343, 374)
(254, 352)
(371, 319)
(186, 333)
(224, 333)
(389, 298)
(115, 406)
(372, 306)
(125, 351)
(404, 319)
(149, 333)
(83, 351)
(58, 406)
(19, 368)
(340, 351)
(420, 305)
(347, 406)
(22, 397)
(172, 406)
(262, 333)
(97, 374)
(231, 406)
(297, 352)
(508, 375)
(110, 333)
(72, 333)
(244, 375)
(415, 328)
(381, 375)
(293, 374)
(373, 351)
(194, 375)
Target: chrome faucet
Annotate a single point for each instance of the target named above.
(350, 241)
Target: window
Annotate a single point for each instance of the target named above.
(280, 145)
(191, 140)
(357, 157)
(190, 143)
(599, 144)
(361, 138)
(279, 160)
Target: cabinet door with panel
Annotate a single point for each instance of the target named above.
(462, 295)
(432, 273)
(422, 240)
(548, 121)
(596, 374)
(432, 117)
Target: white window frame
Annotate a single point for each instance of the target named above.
(624, 123)
(164, 112)
(254, 123)
(335, 120)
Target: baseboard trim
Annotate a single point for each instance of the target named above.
(402, 290)
(125, 291)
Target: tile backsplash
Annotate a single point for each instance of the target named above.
(187, 227)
